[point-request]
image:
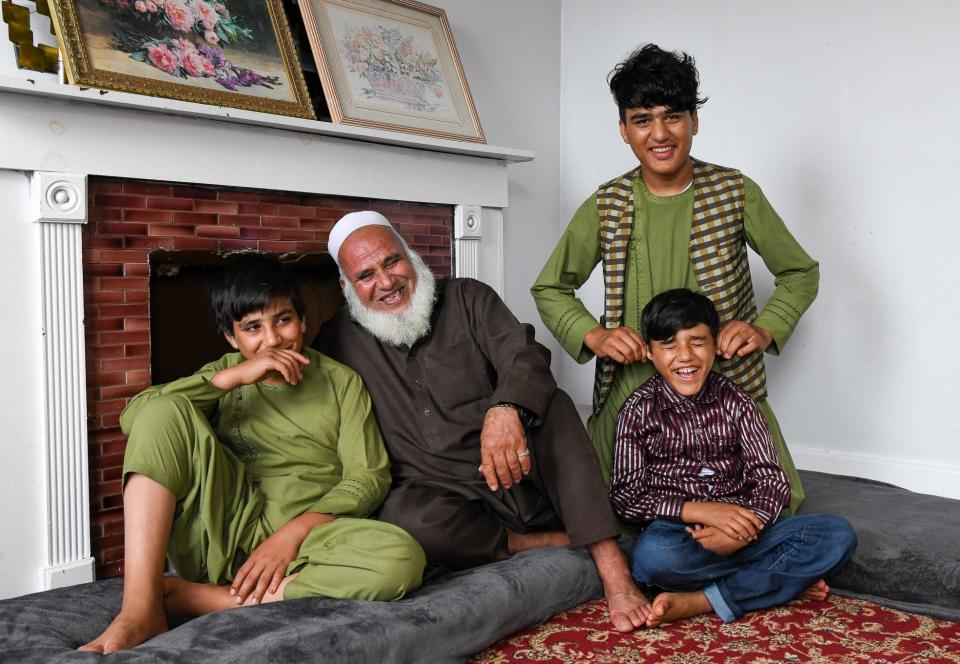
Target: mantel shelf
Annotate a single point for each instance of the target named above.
(49, 87)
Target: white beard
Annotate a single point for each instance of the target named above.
(404, 328)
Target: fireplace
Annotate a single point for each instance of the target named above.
(149, 252)
(112, 178)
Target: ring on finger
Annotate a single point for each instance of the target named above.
(523, 453)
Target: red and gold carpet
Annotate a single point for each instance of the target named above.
(838, 629)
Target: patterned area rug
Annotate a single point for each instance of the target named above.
(839, 629)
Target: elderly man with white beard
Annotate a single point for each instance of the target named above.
(488, 456)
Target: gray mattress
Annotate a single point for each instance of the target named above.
(907, 557)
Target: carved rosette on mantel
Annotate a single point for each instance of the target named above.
(59, 208)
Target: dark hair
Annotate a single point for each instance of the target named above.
(675, 310)
(654, 77)
(251, 283)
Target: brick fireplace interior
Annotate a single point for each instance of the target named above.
(149, 252)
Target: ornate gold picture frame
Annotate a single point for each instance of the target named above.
(236, 53)
(391, 64)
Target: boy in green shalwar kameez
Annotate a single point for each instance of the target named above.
(255, 474)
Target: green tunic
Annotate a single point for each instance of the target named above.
(659, 260)
(244, 462)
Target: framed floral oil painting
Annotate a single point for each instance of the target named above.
(391, 64)
(236, 53)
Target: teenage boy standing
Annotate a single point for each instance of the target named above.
(672, 222)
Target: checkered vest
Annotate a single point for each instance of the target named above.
(718, 254)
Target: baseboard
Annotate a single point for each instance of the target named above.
(935, 479)
(69, 574)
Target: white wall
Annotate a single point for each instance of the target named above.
(846, 114)
(511, 55)
(21, 444)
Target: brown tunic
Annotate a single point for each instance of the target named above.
(430, 401)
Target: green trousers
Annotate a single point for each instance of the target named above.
(218, 520)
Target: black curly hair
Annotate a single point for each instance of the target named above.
(654, 77)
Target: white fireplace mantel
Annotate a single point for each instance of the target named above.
(59, 135)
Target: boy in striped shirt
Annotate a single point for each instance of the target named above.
(695, 466)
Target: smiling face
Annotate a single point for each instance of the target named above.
(661, 139)
(685, 359)
(275, 326)
(379, 269)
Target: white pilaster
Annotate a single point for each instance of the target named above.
(59, 206)
(467, 235)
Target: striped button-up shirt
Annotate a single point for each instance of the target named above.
(713, 447)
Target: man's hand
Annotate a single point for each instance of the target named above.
(267, 565)
(738, 523)
(271, 364)
(620, 344)
(741, 338)
(503, 448)
(713, 540)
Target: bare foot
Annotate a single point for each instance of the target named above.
(629, 609)
(130, 628)
(517, 542)
(818, 591)
(668, 607)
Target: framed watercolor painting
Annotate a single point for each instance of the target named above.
(236, 53)
(391, 64)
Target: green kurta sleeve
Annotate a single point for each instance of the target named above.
(366, 467)
(569, 266)
(196, 387)
(796, 274)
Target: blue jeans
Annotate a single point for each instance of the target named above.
(790, 555)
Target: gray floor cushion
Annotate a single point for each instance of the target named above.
(907, 557)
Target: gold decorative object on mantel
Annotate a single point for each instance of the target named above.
(38, 57)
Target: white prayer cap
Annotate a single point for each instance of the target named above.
(349, 223)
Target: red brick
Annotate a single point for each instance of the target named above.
(124, 283)
(195, 218)
(94, 296)
(136, 270)
(218, 231)
(141, 376)
(105, 437)
(280, 198)
(171, 230)
(109, 421)
(126, 364)
(104, 186)
(156, 203)
(121, 310)
(311, 247)
(149, 216)
(317, 224)
(429, 240)
(148, 188)
(240, 196)
(216, 207)
(277, 245)
(106, 461)
(261, 233)
(103, 242)
(137, 350)
(103, 379)
(280, 222)
(102, 269)
(239, 220)
(110, 571)
(196, 244)
(110, 541)
(297, 235)
(324, 201)
(122, 228)
(116, 446)
(122, 391)
(257, 208)
(107, 407)
(104, 324)
(195, 193)
(237, 245)
(116, 553)
(148, 242)
(119, 200)
(97, 353)
(100, 214)
(297, 211)
(136, 323)
(136, 296)
(126, 337)
(112, 526)
(124, 256)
